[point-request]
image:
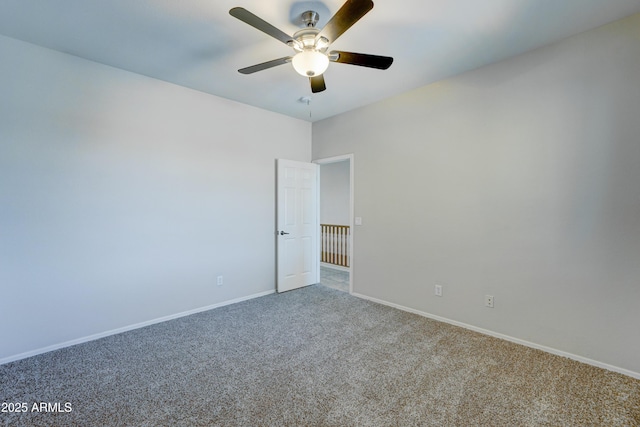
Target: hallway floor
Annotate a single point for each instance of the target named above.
(336, 279)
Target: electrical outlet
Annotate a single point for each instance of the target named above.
(488, 301)
(219, 280)
(438, 290)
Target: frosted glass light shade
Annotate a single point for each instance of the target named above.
(310, 63)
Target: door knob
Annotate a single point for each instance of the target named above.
(282, 233)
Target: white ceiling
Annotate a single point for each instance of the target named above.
(197, 44)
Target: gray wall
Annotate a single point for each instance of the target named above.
(123, 197)
(518, 180)
(334, 193)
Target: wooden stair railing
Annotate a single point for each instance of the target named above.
(335, 244)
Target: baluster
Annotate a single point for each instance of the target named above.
(342, 246)
(338, 250)
(322, 242)
(333, 245)
(348, 246)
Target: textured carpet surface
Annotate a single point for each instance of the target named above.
(312, 357)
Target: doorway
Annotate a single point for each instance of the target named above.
(335, 212)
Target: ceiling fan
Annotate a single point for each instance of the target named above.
(311, 44)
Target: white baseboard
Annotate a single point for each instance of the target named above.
(335, 267)
(129, 328)
(505, 337)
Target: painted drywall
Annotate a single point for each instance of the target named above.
(334, 193)
(122, 198)
(518, 180)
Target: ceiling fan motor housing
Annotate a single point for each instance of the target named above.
(306, 39)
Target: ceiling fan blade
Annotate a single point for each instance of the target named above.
(247, 17)
(345, 17)
(317, 83)
(361, 59)
(269, 64)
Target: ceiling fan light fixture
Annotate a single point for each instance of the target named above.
(310, 63)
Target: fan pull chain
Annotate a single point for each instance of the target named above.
(306, 100)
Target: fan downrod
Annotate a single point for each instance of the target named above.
(310, 18)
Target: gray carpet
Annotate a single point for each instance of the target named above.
(313, 357)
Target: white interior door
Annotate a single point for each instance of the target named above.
(298, 225)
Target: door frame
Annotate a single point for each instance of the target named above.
(336, 159)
